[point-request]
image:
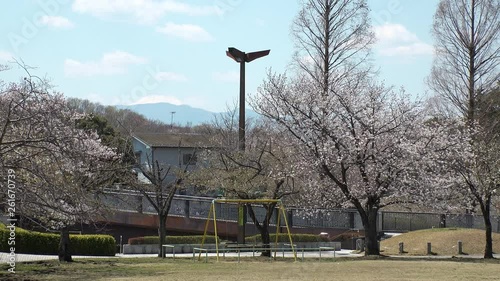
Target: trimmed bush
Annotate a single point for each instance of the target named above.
(348, 236)
(283, 237)
(33, 242)
(191, 239)
(93, 245)
(4, 236)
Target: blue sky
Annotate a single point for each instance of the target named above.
(143, 51)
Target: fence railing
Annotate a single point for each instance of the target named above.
(403, 221)
(198, 207)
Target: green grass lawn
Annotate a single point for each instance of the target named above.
(358, 269)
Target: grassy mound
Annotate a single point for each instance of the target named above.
(444, 242)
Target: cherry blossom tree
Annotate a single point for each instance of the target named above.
(367, 142)
(339, 118)
(466, 74)
(59, 168)
(25, 121)
(59, 187)
(481, 174)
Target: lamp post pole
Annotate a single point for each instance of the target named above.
(241, 126)
(242, 58)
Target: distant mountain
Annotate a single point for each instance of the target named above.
(184, 115)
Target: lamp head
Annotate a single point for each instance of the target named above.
(240, 56)
(235, 54)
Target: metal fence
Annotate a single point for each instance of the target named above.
(403, 221)
(199, 207)
(348, 219)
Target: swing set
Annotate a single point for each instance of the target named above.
(281, 212)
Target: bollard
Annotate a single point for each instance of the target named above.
(360, 244)
(460, 252)
(401, 247)
(429, 248)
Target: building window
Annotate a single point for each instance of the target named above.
(189, 158)
(137, 156)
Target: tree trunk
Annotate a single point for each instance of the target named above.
(485, 209)
(266, 241)
(488, 250)
(264, 226)
(64, 249)
(161, 233)
(369, 218)
(471, 108)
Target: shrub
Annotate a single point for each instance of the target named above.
(93, 245)
(348, 236)
(283, 237)
(191, 239)
(33, 242)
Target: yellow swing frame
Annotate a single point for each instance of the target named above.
(281, 211)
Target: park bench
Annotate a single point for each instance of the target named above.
(232, 245)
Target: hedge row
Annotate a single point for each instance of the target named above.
(32, 242)
(283, 237)
(192, 239)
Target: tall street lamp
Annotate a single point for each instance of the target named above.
(241, 58)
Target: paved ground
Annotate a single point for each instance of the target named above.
(4, 257)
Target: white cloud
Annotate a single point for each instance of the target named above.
(56, 22)
(414, 49)
(396, 40)
(142, 11)
(100, 98)
(188, 32)
(170, 76)
(157, 99)
(228, 76)
(389, 32)
(5, 56)
(116, 62)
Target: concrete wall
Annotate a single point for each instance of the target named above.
(188, 248)
(153, 248)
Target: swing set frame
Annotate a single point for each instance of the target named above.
(281, 212)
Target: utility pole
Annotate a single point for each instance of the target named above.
(172, 119)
